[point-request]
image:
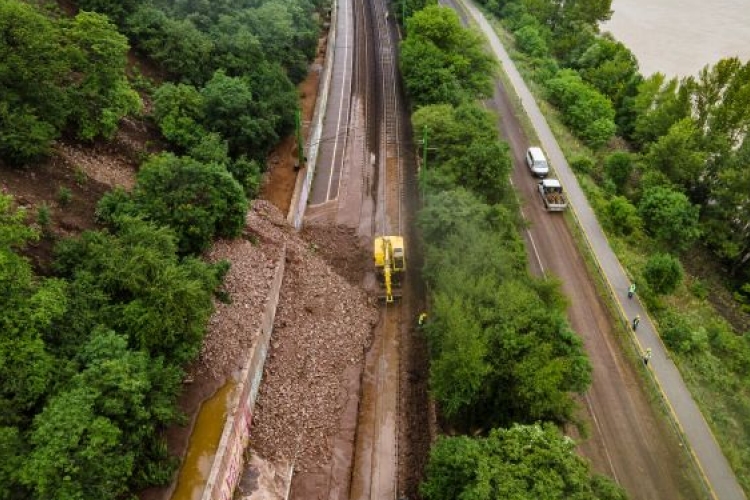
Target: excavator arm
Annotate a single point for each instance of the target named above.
(390, 262)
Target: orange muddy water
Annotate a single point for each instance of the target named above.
(204, 441)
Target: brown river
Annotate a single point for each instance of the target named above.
(679, 37)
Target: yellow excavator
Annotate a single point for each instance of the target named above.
(390, 263)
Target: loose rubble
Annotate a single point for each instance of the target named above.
(323, 325)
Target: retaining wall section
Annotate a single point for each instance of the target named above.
(305, 177)
(229, 460)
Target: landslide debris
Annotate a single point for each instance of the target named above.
(323, 325)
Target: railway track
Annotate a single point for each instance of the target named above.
(376, 464)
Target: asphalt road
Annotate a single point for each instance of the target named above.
(637, 469)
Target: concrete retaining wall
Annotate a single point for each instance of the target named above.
(306, 174)
(229, 459)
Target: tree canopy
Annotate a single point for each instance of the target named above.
(443, 62)
(520, 462)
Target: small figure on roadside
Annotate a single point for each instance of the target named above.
(631, 290)
(646, 356)
(421, 319)
(636, 321)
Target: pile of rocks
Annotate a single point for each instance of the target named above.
(323, 326)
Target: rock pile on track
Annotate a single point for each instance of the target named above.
(323, 325)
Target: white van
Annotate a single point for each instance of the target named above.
(537, 162)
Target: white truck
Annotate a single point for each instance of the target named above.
(552, 195)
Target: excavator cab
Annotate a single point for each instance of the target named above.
(390, 263)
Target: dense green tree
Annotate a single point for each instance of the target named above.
(442, 62)
(663, 273)
(179, 111)
(181, 49)
(77, 454)
(467, 152)
(102, 94)
(13, 451)
(134, 283)
(198, 201)
(618, 167)
(28, 307)
(33, 71)
(658, 105)
(231, 108)
(522, 462)
(116, 10)
(609, 66)
(669, 216)
(622, 216)
(678, 155)
(589, 113)
(287, 32)
(726, 219)
(500, 347)
(531, 41)
(237, 48)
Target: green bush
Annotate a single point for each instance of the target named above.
(681, 337)
(618, 167)
(523, 461)
(588, 112)
(198, 201)
(531, 41)
(622, 216)
(64, 196)
(582, 164)
(663, 272)
(670, 217)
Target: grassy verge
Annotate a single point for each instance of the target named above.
(722, 396)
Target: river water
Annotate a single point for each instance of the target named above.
(679, 37)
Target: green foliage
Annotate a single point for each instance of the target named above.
(622, 216)
(77, 453)
(103, 94)
(33, 103)
(134, 283)
(680, 337)
(610, 67)
(618, 167)
(28, 307)
(198, 201)
(442, 62)
(177, 46)
(663, 273)
(64, 196)
(58, 72)
(658, 105)
(44, 217)
(533, 461)
(248, 173)
(585, 110)
(583, 164)
(670, 217)
(677, 154)
(531, 41)
(116, 10)
(501, 350)
(23, 136)
(178, 110)
(250, 124)
(466, 152)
